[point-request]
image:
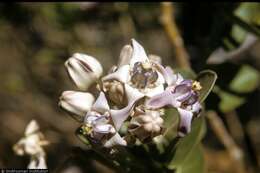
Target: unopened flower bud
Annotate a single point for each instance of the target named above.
(77, 103)
(83, 69)
(147, 125)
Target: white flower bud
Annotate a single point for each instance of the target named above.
(83, 69)
(77, 103)
(146, 125)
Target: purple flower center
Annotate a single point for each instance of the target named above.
(143, 76)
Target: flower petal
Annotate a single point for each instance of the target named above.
(160, 100)
(32, 127)
(139, 54)
(119, 116)
(155, 91)
(125, 55)
(155, 58)
(101, 104)
(42, 163)
(132, 94)
(185, 122)
(104, 128)
(37, 163)
(115, 140)
(196, 108)
(121, 74)
(91, 117)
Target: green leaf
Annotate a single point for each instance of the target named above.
(194, 163)
(229, 101)
(187, 144)
(238, 33)
(207, 79)
(249, 12)
(246, 80)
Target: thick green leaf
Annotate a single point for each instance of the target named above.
(187, 144)
(229, 101)
(207, 79)
(246, 80)
(170, 117)
(194, 163)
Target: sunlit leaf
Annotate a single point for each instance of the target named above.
(238, 33)
(194, 163)
(249, 12)
(207, 79)
(187, 144)
(246, 80)
(229, 101)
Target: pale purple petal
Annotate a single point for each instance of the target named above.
(104, 128)
(101, 104)
(90, 118)
(185, 122)
(192, 99)
(179, 79)
(182, 88)
(155, 91)
(115, 140)
(132, 94)
(139, 54)
(167, 73)
(196, 107)
(119, 116)
(171, 77)
(122, 74)
(184, 97)
(161, 100)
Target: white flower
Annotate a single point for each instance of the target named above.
(83, 69)
(76, 103)
(140, 76)
(102, 123)
(32, 144)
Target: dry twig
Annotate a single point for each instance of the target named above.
(234, 151)
(235, 127)
(171, 29)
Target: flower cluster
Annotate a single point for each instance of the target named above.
(32, 144)
(134, 93)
